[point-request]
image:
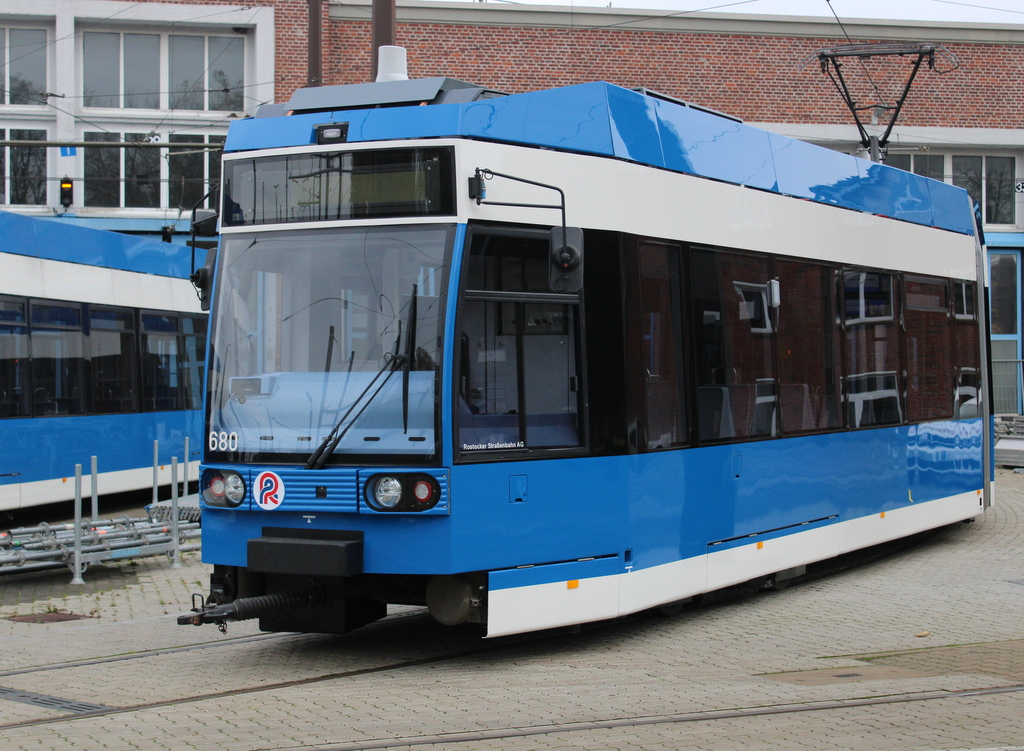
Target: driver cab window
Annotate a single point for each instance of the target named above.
(519, 368)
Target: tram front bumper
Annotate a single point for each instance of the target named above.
(306, 552)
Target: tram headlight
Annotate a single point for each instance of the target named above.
(234, 487)
(222, 487)
(387, 492)
(402, 492)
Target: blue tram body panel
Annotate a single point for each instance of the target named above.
(49, 447)
(661, 507)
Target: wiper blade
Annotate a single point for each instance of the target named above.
(410, 352)
(323, 452)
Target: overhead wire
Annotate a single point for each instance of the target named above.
(863, 65)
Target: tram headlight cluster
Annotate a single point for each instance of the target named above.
(402, 492)
(222, 487)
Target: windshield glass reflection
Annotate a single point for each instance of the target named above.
(306, 320)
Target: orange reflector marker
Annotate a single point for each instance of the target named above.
(882, 515)
(64, 479)
(572, 584)
(760, 545)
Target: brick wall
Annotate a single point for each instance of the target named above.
(758, 78)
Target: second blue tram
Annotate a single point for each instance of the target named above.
(556, 357)
(101, 354)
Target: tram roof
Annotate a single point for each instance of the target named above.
(53, 240)
(607, 120)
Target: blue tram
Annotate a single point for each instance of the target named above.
(102, 344)
(557, 357)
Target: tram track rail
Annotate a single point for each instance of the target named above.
(248, 690)
(509, 733)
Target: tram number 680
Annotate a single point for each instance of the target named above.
(223, 441)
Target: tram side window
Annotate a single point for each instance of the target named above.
(160, 362)
(808, 349)
(965, 351)
(14, 361)
(733, 332)
(929, 372)
(113, 360)
(519, 371)
(871, 382)
(659, 292)
(58, 366)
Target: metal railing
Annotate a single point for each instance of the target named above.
(93, 540)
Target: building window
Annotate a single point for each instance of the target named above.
(989, 182)
(131, 177)
(23, 66)
(124, 70)
(23, 169)
(121, 70)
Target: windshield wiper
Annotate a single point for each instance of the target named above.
(330, 443)
(323, 452)
(410, 352)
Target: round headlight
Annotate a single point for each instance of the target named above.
(217, 487)
(234, 487)
(387, 492)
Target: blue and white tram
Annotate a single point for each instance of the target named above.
(101, 353)
(557, 357)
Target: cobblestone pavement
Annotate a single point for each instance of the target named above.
(921, 651)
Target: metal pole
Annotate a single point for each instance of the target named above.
(314, 60)
(176, 559)
(382, 30)
(156, 468)
(95, 495)
(188, 458)
(77, 567)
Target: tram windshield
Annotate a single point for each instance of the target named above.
(328, 329)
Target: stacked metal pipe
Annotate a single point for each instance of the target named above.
(52, 545)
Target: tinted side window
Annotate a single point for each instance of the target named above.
(871, 381)
(160, 359)
(660, 325)
(733, 331)
(929, 372)
(58, 366)
(113, 360)
(809, 389)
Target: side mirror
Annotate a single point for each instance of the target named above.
(202, 279)
(204, 223)
(565, 268)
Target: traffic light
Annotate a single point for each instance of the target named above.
(67, 192)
